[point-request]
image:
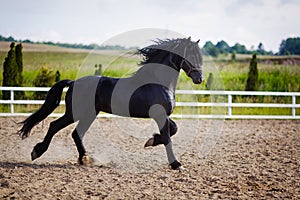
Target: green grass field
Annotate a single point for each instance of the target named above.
(228, 75)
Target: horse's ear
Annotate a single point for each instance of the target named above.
(189, 38)
(198, 41)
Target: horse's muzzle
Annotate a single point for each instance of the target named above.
(198, 80)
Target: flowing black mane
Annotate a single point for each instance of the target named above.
(161, 48)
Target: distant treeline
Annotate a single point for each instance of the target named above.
(68, 45)
(223, 48)
(289, 46)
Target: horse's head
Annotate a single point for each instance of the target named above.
(179, 54)
(190, 60)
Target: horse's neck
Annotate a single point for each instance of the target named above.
(158, 74)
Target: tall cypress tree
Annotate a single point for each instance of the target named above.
(252, 81)
(19, 78)
(19, 60)
(209, 82)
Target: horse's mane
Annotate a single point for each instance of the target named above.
(160, 48)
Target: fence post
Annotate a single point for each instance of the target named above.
(293, 105)
(12, 102)
(229, 105)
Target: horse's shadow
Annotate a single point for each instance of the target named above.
(14, 165)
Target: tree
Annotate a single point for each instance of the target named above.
(233, 56)
(211, 50)
(223, 47)
(290, 46)
(12, 70)
(252, 81)
(57, 76)
(98, 70)
(261, 49)
(19, 60)
(209, 82)
(239, 48)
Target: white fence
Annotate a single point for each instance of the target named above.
(227, 105)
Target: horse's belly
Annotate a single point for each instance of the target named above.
(148, 97)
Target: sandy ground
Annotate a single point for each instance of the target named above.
(235, 159)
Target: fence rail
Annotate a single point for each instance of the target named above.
(228, 104)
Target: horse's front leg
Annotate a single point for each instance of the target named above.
(165, 124)
(166, 140)
(156, 138)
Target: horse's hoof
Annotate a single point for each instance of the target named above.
(149, 143)
(181, 169)
(87, 160)
(34, 155)
(176, 166)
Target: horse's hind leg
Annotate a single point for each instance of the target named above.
(55, 126)
(77, 135)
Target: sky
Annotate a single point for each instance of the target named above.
(98, 21)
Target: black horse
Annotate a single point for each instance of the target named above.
(149, 93)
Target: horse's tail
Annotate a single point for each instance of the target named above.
(51, 102)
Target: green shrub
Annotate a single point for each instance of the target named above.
(44, 78)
